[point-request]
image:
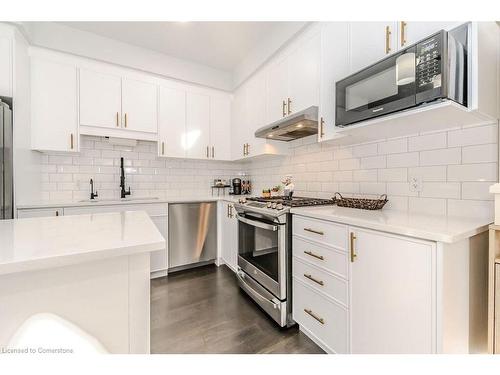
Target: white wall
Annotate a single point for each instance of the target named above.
(82, 43)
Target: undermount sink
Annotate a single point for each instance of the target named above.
(128, 199)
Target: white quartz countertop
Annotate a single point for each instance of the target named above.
(435, 228)
(38, 243)
(111, 202)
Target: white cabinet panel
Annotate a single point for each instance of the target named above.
(100, 99)
(239, 124)
(54, 106)
(5, 66)
(277, 90)
(139, 105)
(369, 42)
(413, 31)
(391, 294)
(197, 137)
(334, 66)
(39, 212)
(229, 235)
(220, 127)
(303, 75)
(172, 123)
(159, 259)
(255, 112)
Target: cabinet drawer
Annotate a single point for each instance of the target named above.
(40, 212)
(324, 319)
(332, 286)
(325, 232)
(152, 209)
(332, 260)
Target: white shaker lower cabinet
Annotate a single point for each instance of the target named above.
(39, 212)
(357, 290)
(229, 235)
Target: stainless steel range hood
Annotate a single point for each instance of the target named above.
(295, 126)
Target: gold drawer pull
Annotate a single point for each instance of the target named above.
(387, 40)
(117, 119)
(71, 141)
(289, 106)
(314, 231)
(352, 250)
(163, 148)
(320, 282)
(283, 106)
(310, 253)
(126, 120)
(321, 320)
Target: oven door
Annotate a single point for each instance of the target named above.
(262, 252)
(381, 88)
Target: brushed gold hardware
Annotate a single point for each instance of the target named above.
(125, 120)
(208, 153)
(248, 149)
(228, 210)
(314, 231)
(289, 106)
(387, 40)
(308, 276)
(283, 108)
(321, 320)
(310, 253)
(213, 152)
(245, 152)
(57, 213)
(353, 252)
(231, 211)
(117, 119)
(321, 127)
(71, 141)
(163, 148)
(402, 27)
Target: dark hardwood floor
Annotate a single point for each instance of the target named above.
(202, 310)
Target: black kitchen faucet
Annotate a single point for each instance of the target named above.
(124, 192)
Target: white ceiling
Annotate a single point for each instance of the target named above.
(220, 45)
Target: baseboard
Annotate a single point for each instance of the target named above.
(160, 273)
(317, 341)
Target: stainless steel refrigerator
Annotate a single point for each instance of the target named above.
(6, 160)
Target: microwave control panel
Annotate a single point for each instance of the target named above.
(428, 63)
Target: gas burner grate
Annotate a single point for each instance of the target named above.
(295, 201)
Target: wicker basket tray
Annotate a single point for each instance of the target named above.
(361, 203)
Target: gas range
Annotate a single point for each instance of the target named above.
(277, 206)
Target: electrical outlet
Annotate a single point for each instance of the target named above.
(415, 183)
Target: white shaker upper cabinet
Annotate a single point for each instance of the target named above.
(220, 127)
(197, 138)
(172, 123)
(139, 106)
(239, 124)
(370, 42)
(5, 66)
(100, 99)
(303, 73)
(391, 294)
(413, 31)
(334, 66)
(277, 90)
(255, 112)
(54, 106)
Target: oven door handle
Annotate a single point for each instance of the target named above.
(255, 294)
(256, 223)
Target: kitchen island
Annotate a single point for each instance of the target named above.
(91, 270)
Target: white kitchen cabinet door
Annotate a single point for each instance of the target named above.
(172, 123)
(159, 259)
(303, 75)
(54, 106)
(239, 124)
(334, 66)
(100, 99)
(277, 90)
(391, 294)
(255, 112)
(220, 127)
(40, 212)
(5, 66)
(229, 234)
(413, 31)
(197, 139)
(369, 42)
(139, 106)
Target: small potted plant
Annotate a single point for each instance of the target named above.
(266, 193)
(276, 191)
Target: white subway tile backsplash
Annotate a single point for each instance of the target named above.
(473, 172)
(440, 190)
(373, 162)
(393, 174)
(476, 190)
(470, 208)
(400, 188)
(473, 136)
(437, 173)
(376, 188)
(409, 159)
(394, 146)
(430, 206)
(427, 142)
(480, 154)
(440, 157)
(365, 175)
(365, 150)
(349, 164)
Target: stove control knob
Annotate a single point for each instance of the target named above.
(269, 204)
(279, 206)
(242, 200)
(273, 206)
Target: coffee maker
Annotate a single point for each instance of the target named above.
(236, 186)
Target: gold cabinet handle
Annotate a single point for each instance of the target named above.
(57, 212)
(163, 148)
(231, 211)
(310, 253)
(208, 152)
(308, 276)
(228, 210)
(71, 141)
(402, 27)
(314, 231)
(387, 40)
(117, 119)
(213, 152)
(321, 320)
(321, 127)
(125, 120)
(352, 250)
(289, 106)
(248, 148)
(244, 149)
(284, 108)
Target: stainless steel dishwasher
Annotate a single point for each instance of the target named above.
(192, 234)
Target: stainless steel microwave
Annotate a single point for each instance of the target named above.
(435, 68)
